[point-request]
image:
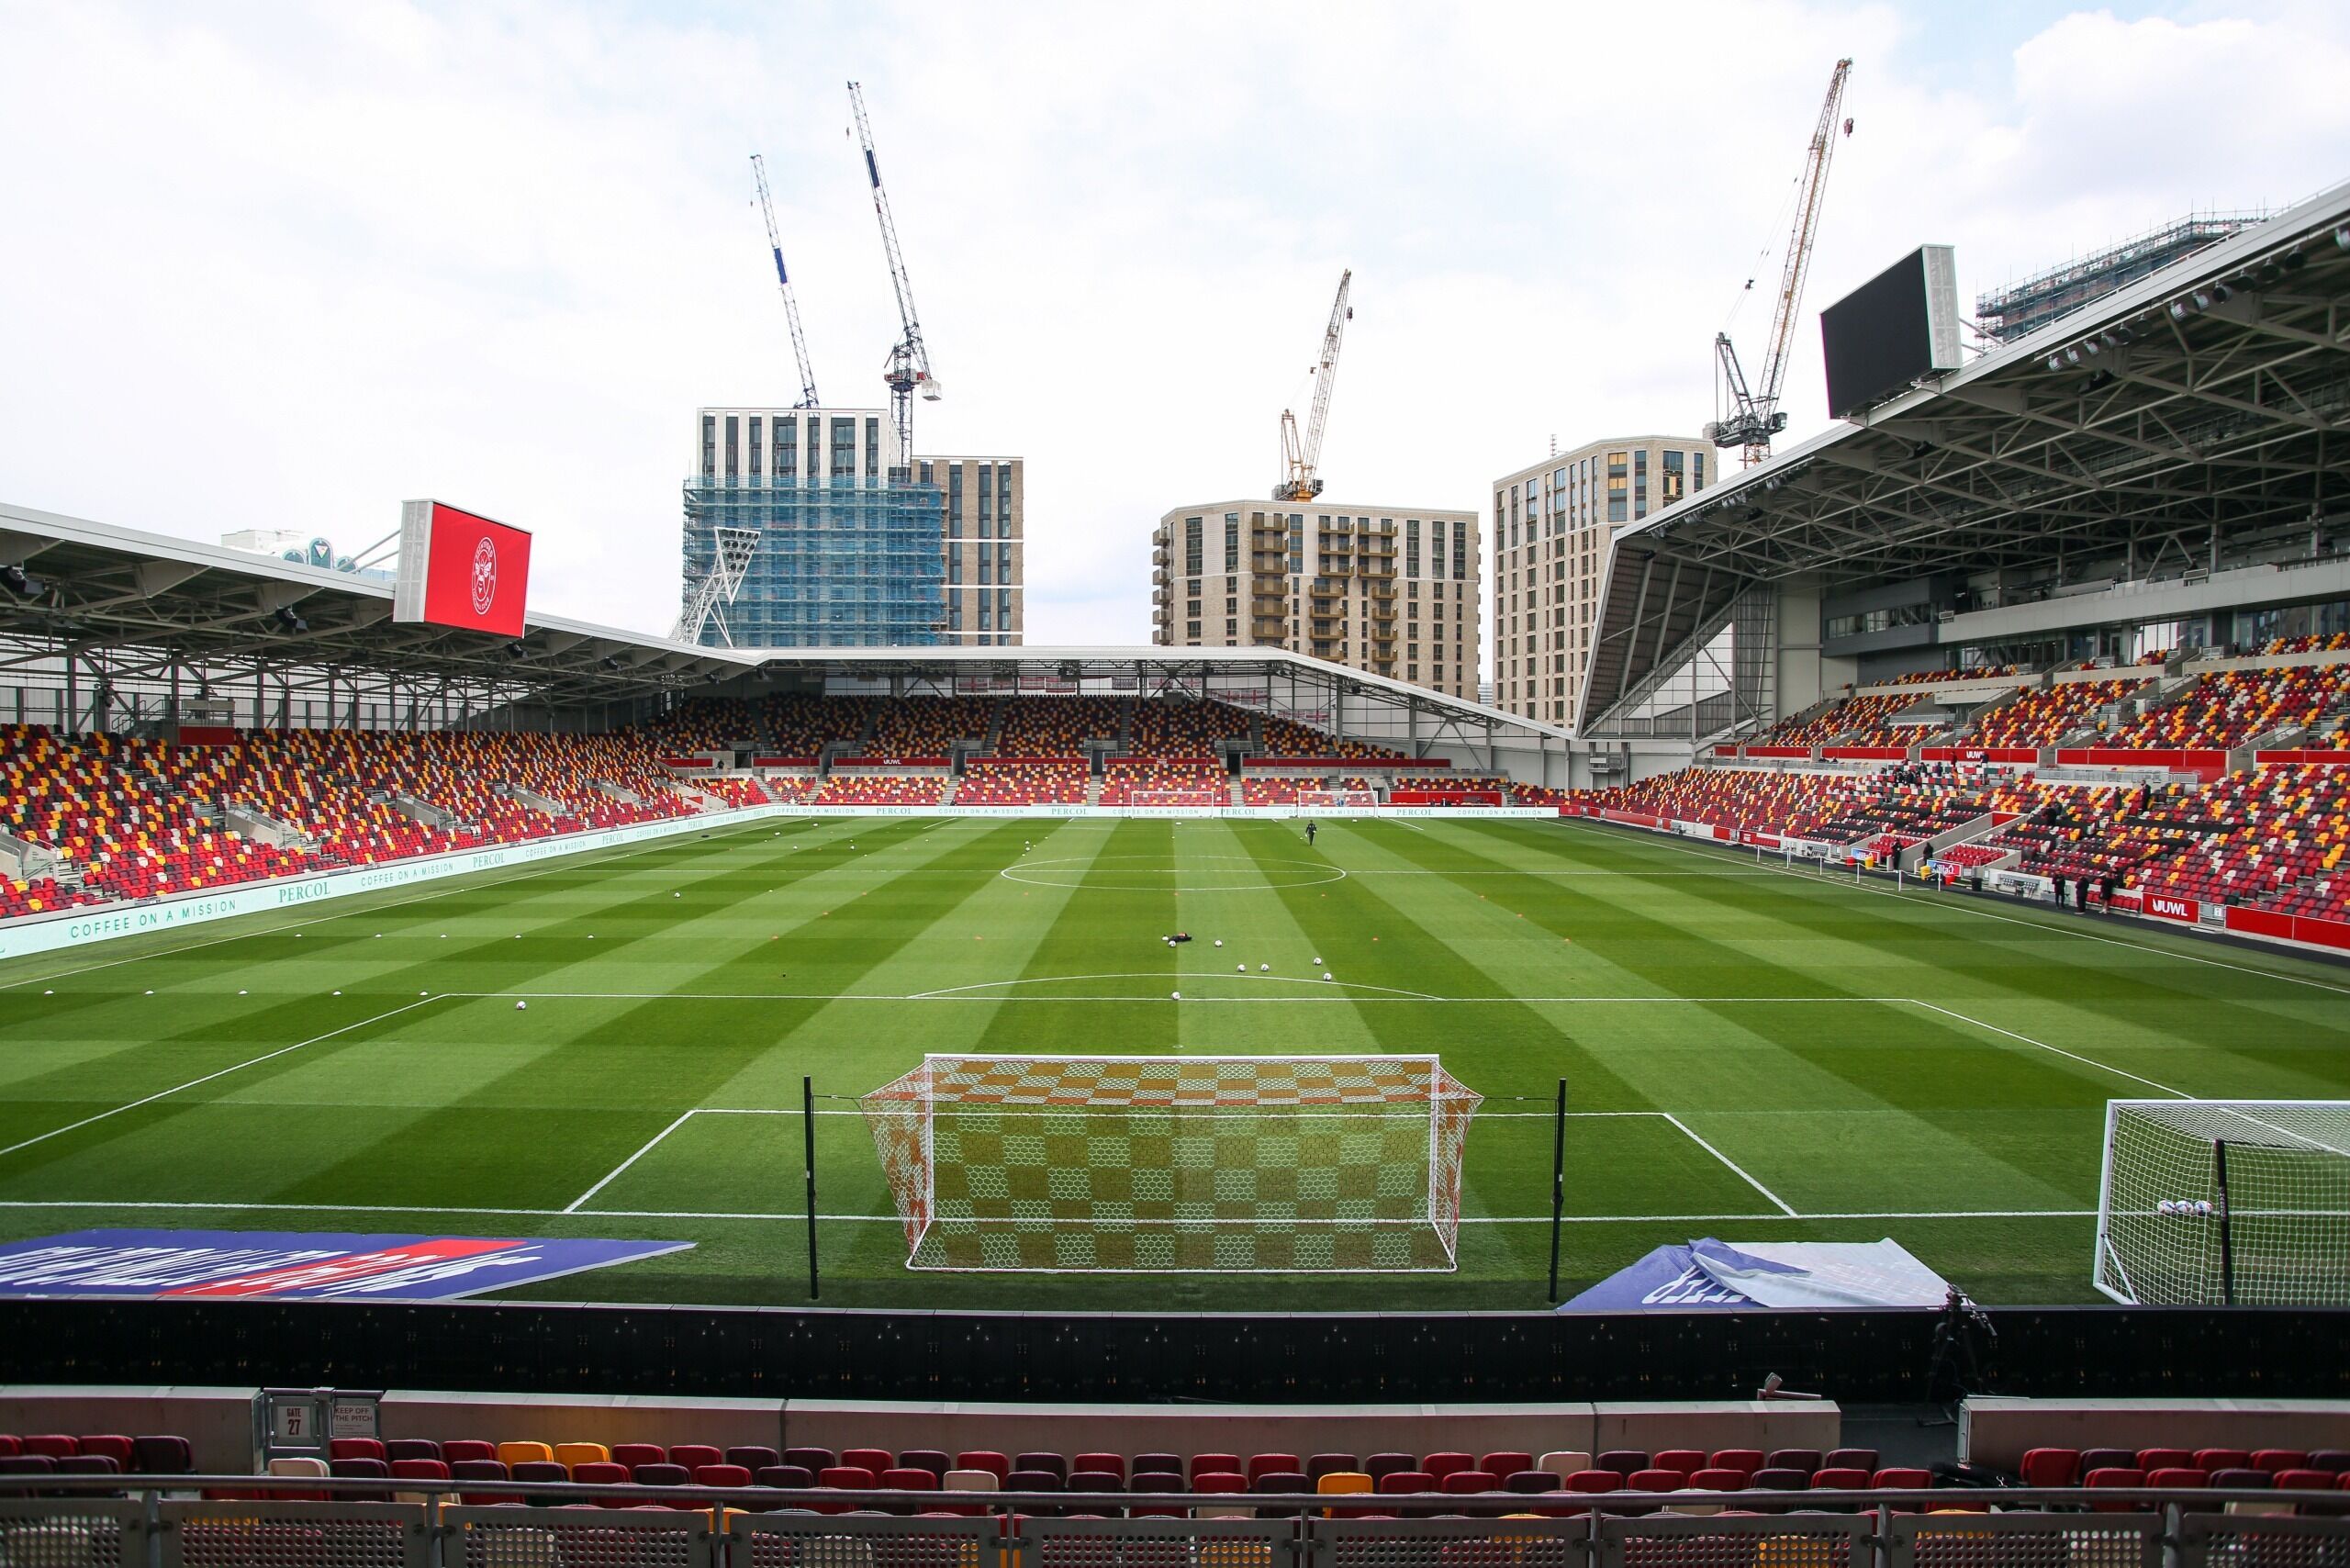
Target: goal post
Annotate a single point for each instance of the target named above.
(1144, 1164)
(1196, 798)
(1309, 801)
(2237, 1203)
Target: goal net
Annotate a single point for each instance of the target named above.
(1150, 1164)
(2225, 1203)
(1312, 800)
(1196, 796)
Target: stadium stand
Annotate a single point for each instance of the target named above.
(1174, 780)
(927, 726)
(2049, 716)
(1285, 737)
(1004, 782)
(1053, 726)
(1282, 788)
(2234, 706)
(738, 791)
(1171, 729)
(881, 790)
(800, 725)
(700, 725)
(2275, 838)
(1866, 714)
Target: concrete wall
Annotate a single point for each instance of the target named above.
(1997, 1432)
(217, 1422)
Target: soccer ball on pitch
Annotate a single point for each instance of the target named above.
(1325, 974)
(1174, 996)
(1219, 941)
(1262, 968)
(1240, 969)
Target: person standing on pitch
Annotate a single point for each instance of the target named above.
(1309, 832)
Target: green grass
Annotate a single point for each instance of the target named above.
(1905, 1065)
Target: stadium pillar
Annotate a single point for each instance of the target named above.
(808, 1135)
(1558, 1184)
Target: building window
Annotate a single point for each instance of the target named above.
(734, 433)
(758, 445)
(873, 449)
(1460, 550)
(787, 448)
(1192, 546)
(709, 445)
(953, 500)
(1232, 542)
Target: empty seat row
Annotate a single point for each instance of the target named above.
(104, 1455)
(2140, 1467)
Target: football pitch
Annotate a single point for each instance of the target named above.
(1752, 1052)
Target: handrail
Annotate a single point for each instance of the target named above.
(1495, 1504)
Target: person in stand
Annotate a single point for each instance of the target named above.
(2058, 883)
(1309, 832)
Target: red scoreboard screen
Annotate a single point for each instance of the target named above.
(460, 569)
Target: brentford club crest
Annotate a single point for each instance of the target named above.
(485, 576)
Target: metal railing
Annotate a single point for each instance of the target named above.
(298, 1522)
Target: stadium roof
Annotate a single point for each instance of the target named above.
(130, 605)
(2195, 403)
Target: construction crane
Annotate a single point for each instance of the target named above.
(1753, 414)
(907, 370)
(808, 398)
(1299, 481)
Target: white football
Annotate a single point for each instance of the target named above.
(1219, 941)
(1175, 995)
(1240, 969)
(1325, 974)
(1317, 958)
(520, 1005)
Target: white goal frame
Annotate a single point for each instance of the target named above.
(1309, 801)
(2222, 1239)
(1061, 1228)
(1200, 798)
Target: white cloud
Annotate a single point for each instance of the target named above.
(284, 266)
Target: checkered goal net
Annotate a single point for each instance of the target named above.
(2225, 1203)
(1151, 1164)
(1312, 800)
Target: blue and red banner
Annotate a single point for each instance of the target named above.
(216, 1265)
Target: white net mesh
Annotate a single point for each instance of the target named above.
(1199, 795)
(1312, 800)
(2226, 1202)
(1150, 1164)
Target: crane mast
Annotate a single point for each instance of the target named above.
(1755, 415)
(907, 369)
(1299, 481)
(808, 398)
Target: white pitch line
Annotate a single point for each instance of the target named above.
(2059, 1051)
(2054, 927)
(1784, 1206)
(766, 1216)
(959, 993)
(1201, 976)
(615, 1171)
(464, 883)
(194, 1082)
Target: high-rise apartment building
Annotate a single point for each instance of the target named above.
(850, 553)
(1551, 524)
(1392, 590)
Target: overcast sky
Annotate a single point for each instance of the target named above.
(283, 266)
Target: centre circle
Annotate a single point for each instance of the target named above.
(1154, 874)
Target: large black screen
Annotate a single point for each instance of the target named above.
(1880, 338)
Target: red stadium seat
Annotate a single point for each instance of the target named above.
(2050, 1467)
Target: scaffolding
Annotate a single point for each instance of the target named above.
(2006, 314)
(840, 563)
